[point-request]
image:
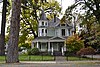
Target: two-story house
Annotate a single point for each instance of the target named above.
(52, 35)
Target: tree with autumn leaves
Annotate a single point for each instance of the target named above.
(74, 43)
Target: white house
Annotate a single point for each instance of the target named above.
(52, 35)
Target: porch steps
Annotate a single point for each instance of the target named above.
(57, 53)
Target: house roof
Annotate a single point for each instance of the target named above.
(49, 39)
(43, 16)
(54, 24)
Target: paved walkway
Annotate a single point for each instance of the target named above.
(54, 64)
(59, 62)
(60, 58)
(94, 56)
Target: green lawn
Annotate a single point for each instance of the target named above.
(36, 58)
(72, 58)
(2, 58)
(31, 58)
(43, 58)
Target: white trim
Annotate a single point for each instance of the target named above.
(37, 45)
(56, 36)
(62, 50)
(48, 46)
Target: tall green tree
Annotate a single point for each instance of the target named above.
(30, 14)
(93, 6)
(12, 51)
(3, 24)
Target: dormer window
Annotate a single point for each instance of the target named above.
(42, 23)
(62, 24)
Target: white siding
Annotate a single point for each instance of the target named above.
(40, 32)
(67, 33)
(40, 23)
(51, 32)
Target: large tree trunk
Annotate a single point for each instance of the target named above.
(2, 36)
(12, 51)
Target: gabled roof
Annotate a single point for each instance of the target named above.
(58, 38)
(54, 24)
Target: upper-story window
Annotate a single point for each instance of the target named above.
(62, 24)
(45, 30)
(63, 32)
(42, 23)
(69, 31)
(42, 30)
(46, 23)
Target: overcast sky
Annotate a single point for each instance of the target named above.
(65, 4)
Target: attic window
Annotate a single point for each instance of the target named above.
(62, 24)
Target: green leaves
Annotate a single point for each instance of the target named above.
(74, 43)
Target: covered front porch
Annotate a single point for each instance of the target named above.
(52, 46)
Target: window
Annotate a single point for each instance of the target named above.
(42, 30)
(69, 31)
(63, 32)
(42, 23)
(62, 24)
(45, 30)
(46, 23)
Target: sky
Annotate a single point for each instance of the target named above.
(65, 4)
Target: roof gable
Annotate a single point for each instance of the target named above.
(57, 38)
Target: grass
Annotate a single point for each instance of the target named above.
(31, 58)
(2, 58)
(36, 58)
(72, 58)
(44, 58)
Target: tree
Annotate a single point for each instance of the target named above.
(12, 51)
(91, 34)
(92, 6)
(30, 13)
(2, 36)
(74, 43)
(90, 20)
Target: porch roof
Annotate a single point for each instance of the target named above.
(49, 39)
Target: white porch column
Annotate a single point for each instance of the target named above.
(37, 45)
(64, 47)
(48, 46)
(62, 51)
(52, 51)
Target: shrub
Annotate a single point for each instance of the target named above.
(86, 51)
(74, 43)
(29, 52)
(34, 51)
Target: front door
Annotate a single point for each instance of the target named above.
(60, 48)
(58, 51)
